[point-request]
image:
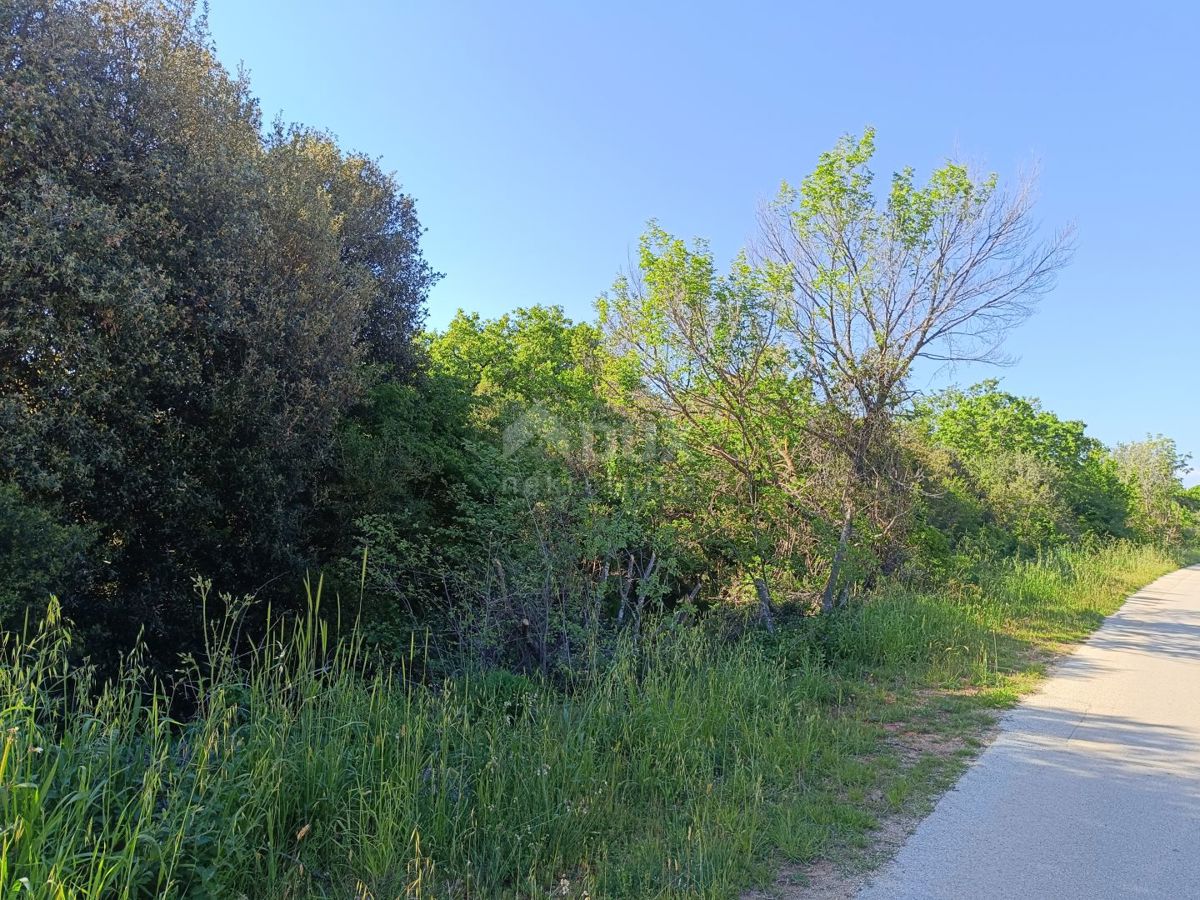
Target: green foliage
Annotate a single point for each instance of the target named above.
(503, 499)
(211, 364)
(185, 308)
(405, 467)
(803, 356)
(548, 534)
(533, 355)
(1151, 471)
(703, 348)
(1039, 481)
(38, 555)
(1024, 496)
(984, 420)
(682, 769)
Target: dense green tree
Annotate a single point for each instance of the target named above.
(1043, 479)
(39, 555)
(1152, 469)
(503, 498)
(983, 420)
(184, 305)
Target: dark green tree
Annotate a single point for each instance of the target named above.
(186, 306)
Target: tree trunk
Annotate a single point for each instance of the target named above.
(835, 570)
(764, 604)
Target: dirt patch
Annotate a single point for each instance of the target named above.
(825, 879)
(845, 870)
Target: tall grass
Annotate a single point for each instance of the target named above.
(300, 776)
(1009, 613)
(681, 770)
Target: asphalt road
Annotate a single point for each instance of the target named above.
(1092, 788)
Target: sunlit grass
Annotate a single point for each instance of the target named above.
(684, 768)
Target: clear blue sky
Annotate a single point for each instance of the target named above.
(539, 137)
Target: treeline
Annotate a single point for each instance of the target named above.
(212, 365)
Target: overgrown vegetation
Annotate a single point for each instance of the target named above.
(684, 768)
(609, 607)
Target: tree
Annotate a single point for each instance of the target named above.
(704, 348)
(502, 498)
(941, 272)
(186, 308)
(377, 256)
(1017, 449)
(1153, 469)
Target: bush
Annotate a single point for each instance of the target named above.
(38, 556)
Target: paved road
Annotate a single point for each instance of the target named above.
(1092, 789)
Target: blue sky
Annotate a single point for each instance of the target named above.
(538, 138)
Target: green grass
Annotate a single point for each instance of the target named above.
(689, 767)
